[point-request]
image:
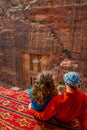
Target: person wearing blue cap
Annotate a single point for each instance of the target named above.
(73, 79)
(69, 105)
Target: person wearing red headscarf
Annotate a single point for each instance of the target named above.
(67, 106)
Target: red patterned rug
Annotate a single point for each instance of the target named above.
(14, 114)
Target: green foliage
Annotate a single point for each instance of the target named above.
(67, 52)
(23, 7)
(15, 4)
(61, 83)
(33, 20)
(41, 22)
(25, 18)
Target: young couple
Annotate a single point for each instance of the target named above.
(46, 102)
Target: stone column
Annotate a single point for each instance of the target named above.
(44, 63)
(35, 65)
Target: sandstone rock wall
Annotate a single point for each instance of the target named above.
(41, 28)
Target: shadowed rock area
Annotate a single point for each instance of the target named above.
(35, 34)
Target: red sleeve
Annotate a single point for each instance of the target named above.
(83, 116)
(83, 121)
(49, 111)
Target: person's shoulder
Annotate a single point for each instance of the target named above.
(58, 96)
(83, 94)
(30, 89)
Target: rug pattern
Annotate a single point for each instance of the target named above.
(14, 114)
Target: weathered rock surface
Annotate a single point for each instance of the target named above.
(40, 28)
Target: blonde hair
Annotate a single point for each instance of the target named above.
(44, 87)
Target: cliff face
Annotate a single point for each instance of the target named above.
(36, 29)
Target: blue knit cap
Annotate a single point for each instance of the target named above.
(72, 78)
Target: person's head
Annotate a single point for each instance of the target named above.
(72, 79)
(44, 87)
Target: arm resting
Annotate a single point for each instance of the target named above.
(48, 112)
